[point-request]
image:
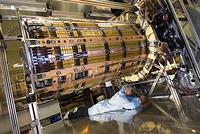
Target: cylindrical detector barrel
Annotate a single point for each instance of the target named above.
(92, 53)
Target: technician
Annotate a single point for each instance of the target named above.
(125, 99)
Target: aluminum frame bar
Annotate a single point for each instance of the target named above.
(154, 84)
(33, 108)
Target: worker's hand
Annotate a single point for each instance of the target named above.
(144, 101)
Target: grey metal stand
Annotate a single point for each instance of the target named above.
(174, 95)
(7, 86)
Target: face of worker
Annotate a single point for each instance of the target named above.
(129, 92)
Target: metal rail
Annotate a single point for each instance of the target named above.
(33, 108)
